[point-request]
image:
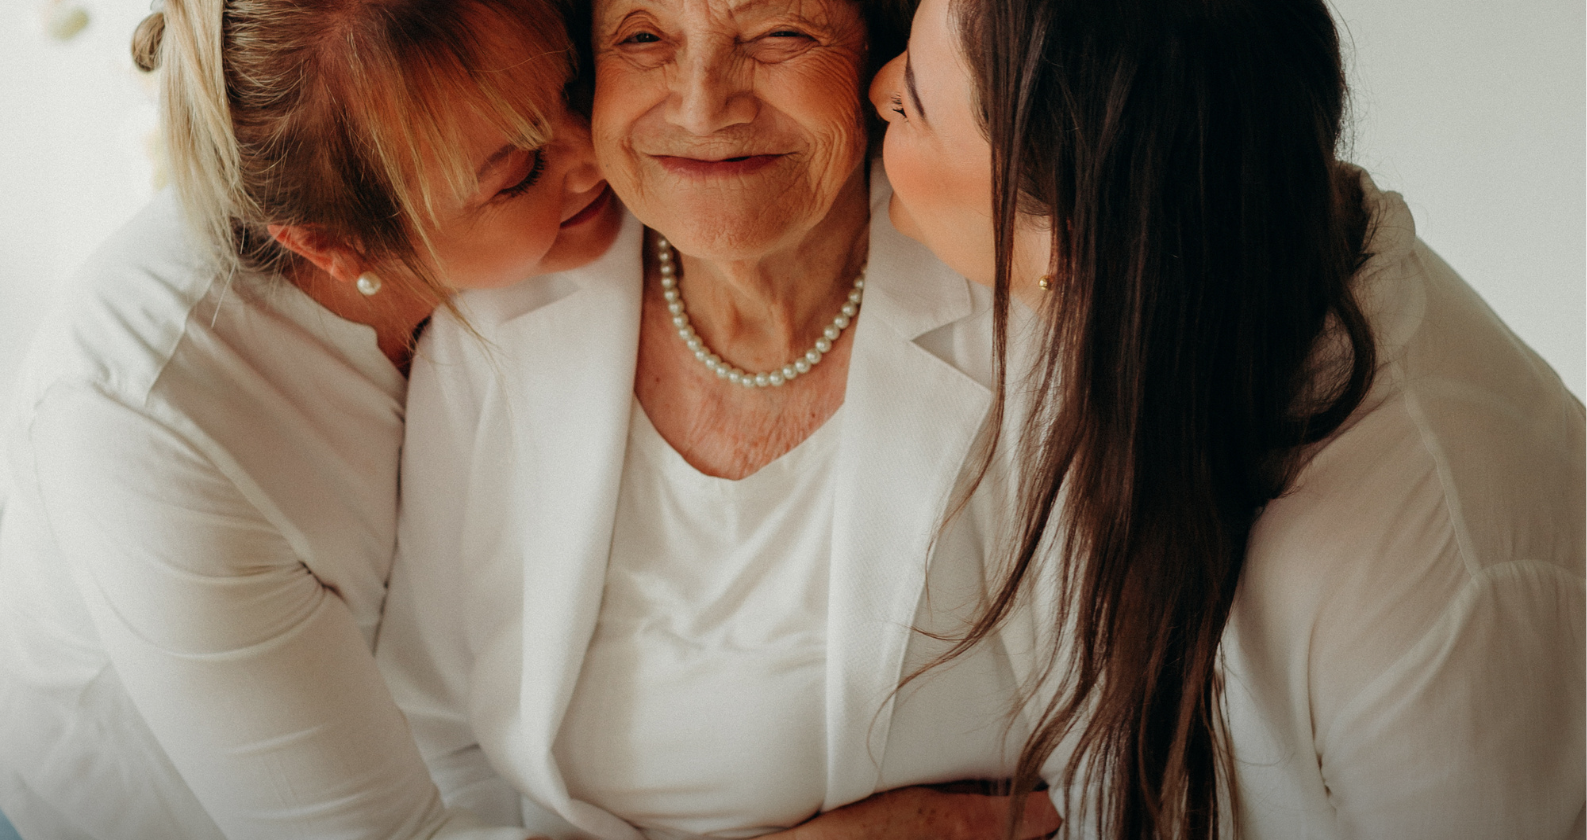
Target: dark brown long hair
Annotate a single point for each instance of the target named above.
(1184, 154)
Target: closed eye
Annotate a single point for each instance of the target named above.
(535, 171)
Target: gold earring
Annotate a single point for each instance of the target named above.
(1045, 282)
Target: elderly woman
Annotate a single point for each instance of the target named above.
(667, 527)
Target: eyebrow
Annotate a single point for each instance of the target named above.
(495, 160)
(909, 82)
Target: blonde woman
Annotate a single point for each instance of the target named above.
(195, 544)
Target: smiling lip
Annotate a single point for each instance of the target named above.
(590, 210)
(745, 165)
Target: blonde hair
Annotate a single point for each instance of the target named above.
(338, 115)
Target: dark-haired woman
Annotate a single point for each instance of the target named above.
(1301, 524)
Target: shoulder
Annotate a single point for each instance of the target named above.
(243, 368)
(1458, 481)
(1463, 419)
(123, 313)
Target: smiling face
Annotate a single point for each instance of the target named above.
(506, 207)
(731, 126)
(534, 210)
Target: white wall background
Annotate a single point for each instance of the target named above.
(1475, 110)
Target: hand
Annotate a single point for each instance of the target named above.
(944, 812)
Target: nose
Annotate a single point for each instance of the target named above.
(886, 85)
(711, 89)
(583, 172)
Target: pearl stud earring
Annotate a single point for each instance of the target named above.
(367, 284)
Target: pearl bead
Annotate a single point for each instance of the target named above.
(666, 263)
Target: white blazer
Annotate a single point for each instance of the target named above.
(511, 468)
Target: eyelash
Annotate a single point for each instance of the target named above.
(898, 105)
(529, 180)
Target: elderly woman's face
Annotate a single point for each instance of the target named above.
(731, 126)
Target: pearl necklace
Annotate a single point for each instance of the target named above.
(726, 370)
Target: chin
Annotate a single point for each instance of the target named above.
(902, 221)
(575, 248)
(724, 236)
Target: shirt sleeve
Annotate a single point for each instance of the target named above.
(251, 673)
(1477, 729)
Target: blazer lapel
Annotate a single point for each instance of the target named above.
(569, 435)
(913, 417)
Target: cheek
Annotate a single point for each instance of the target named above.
(621, 99)
(912, 175)
(941, 201)
(830, 104)
(506, 248)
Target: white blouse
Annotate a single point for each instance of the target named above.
(701, 705)
(1404, 656)
(196, 536)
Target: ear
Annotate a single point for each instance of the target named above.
(326, 253)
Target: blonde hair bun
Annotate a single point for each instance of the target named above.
(146, 42)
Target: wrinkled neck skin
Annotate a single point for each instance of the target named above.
(771, 306)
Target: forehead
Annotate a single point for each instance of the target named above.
(936, 56)
(829, 12)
